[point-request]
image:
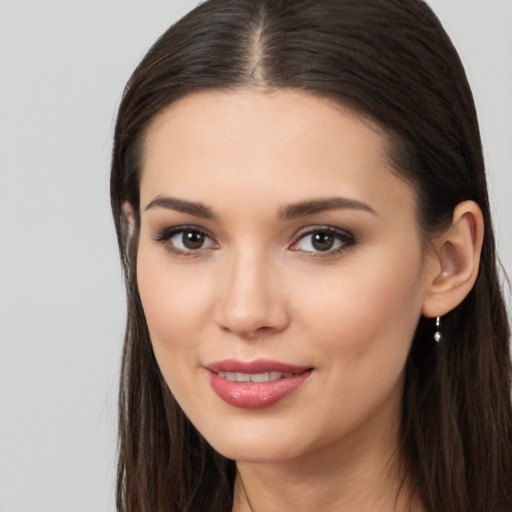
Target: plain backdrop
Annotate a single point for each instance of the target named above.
(63, 65)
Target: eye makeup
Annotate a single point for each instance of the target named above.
(323, 241)
(314, 241)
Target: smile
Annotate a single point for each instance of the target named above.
(256, 384)
(254, 377)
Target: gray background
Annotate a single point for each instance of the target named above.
(63, 65)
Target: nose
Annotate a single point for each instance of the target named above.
(251, 301)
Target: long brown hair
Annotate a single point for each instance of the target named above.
(391, 61)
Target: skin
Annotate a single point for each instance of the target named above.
(258, 288)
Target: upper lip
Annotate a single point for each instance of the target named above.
(256, 366)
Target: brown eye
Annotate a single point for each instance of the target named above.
(185, 240)
(328, 240)
(322, 241)
(193, 240)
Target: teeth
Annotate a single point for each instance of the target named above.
(254, 377)
(260, 377)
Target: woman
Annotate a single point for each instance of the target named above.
(315, 318)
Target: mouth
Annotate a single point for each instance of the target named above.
(254, 377)
(256, 384)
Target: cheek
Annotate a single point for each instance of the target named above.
(368, 310)
(175, 301)
(361, 327)
(175, 306)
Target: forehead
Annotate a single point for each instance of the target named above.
(281, 144)
(248, 112)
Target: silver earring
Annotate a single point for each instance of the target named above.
(437, 334)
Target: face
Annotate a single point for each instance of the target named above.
(281, 271)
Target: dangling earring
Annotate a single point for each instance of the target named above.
(437, 334)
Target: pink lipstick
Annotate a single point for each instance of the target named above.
(256, 384)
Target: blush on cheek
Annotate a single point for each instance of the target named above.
(367, 316)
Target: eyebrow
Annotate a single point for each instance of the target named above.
(180, 205)
(305, 208)
(291, 211)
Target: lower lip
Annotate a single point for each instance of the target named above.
(255, 395)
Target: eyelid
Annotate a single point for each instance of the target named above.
(166, 234)
(345, 237)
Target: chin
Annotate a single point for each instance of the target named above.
(264, 444)
(258, 453)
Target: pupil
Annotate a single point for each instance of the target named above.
(323, 241)
(193, 239)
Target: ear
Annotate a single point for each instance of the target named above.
(453, 266)
(129, 218)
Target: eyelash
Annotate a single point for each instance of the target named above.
(165, 236)
(343, 237)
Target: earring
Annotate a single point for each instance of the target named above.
(437, 334)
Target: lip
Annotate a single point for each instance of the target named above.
(256, 366)
(255, 395)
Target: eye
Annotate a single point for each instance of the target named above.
(185, 240)
(323, 240)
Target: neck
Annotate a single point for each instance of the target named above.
(363, 476)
